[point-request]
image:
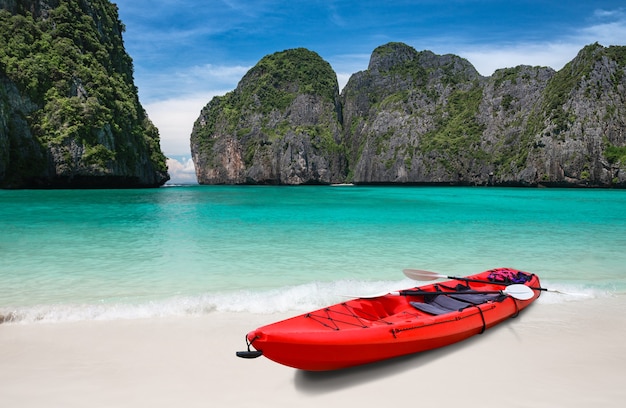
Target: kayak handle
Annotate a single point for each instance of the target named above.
(249, 353)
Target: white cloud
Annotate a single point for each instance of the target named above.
(175, 100)
(194, 80)
(609, 29)
(175, 118)
(181, 171)
(342, 79)
(619, 13)
(223, 74)
(488, 59)
(346, 65)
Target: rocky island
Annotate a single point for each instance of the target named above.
(418, 118)
(282, 125)
(70, 115)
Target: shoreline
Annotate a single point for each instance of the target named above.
(562, 354)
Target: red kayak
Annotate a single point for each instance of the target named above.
(379, 327)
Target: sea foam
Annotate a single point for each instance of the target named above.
(295, 299)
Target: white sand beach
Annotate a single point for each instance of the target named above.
(569, 354)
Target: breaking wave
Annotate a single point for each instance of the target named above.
(296, 299)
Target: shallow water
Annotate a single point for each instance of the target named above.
(110, 254)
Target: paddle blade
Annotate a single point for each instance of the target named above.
(518, 291)
(421, 275)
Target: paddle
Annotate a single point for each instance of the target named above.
(421, 275)
(517, 291)
(372, 295)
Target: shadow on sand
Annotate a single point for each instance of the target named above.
(321, 382)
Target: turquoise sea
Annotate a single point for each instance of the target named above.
(70, 255)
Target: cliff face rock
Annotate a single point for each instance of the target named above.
(521, 126)
(416, 117)
(509, 97)
(409, 115)
(19, 149)
(70, 116)
(577, 133)
(280, 126)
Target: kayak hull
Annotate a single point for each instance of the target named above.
(362, 331)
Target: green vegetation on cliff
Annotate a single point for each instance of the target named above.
(615, 154)
(271, 86)
(456, 125)
(70, 61)
(403, 66)
(418, 117)
(281, 125)
(275, 81)
(567, 80)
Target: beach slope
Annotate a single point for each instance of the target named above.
(554, 354)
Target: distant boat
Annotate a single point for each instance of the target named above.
(383, 326)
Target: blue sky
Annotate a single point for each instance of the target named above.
(187, 51)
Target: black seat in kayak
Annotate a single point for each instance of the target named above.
(440, 304)
(429, 308)
(475, 298)
(472, 298)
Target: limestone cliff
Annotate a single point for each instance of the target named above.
(280, 126)
(70, 116)
(577, 132)
(410, 117)
(421, 118)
